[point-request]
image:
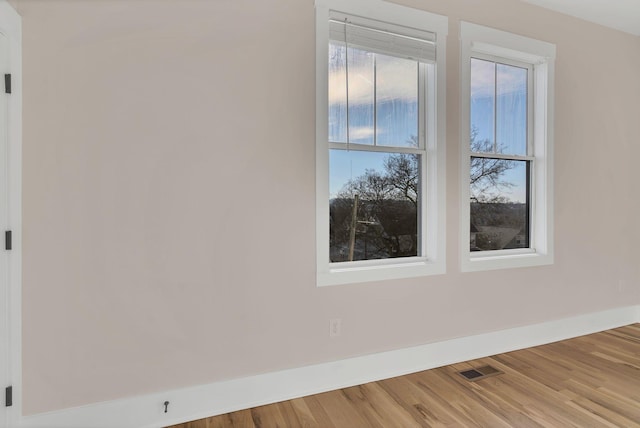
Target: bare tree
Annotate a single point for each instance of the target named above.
(402, 175)
(389, 199)
(387, 212)
(487, 174)
(495, 218)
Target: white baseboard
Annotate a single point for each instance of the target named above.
(221, 397)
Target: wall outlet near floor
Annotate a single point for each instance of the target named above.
(335, 327)
(622, 285)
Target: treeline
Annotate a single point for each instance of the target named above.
(499, 214)
(385, 228)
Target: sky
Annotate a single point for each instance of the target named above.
(498, 111)
(386, 111)
(383, 107)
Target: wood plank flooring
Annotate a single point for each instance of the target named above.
(589, 381)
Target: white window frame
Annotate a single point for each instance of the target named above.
(487, 43)
(433, 228)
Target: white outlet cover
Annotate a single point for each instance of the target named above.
(335, 327)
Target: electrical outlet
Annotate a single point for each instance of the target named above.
(622, 285)
(335, 327)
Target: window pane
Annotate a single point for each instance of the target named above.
(337, 93)
(361, 83)
(360, 91)
(511, 133)
(386, 218)
(483, 79)
(499, 204)
(396, 101)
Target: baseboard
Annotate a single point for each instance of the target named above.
(221, 397)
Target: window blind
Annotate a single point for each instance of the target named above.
(381, 37)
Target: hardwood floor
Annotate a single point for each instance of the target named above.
(589, 381)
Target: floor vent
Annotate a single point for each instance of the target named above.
(479, 373)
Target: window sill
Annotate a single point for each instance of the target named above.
(357, 272)
(504, 259)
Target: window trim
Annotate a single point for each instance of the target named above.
(479, 41)
(432, 260)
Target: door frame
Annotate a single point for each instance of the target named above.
(11, 27)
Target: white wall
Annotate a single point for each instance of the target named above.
(168, 197)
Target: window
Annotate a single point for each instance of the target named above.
(507, 130)
(380, 125)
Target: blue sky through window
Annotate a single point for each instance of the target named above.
(498, 116)
(382, 107)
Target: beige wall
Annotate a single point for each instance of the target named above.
(169, 197)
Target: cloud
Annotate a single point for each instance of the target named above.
(361, 132)
(511, 80)
(396, 78)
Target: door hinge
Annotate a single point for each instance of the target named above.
(7, 240)
(8, 396)
(7, 83)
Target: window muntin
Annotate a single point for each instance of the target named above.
(500, 155)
